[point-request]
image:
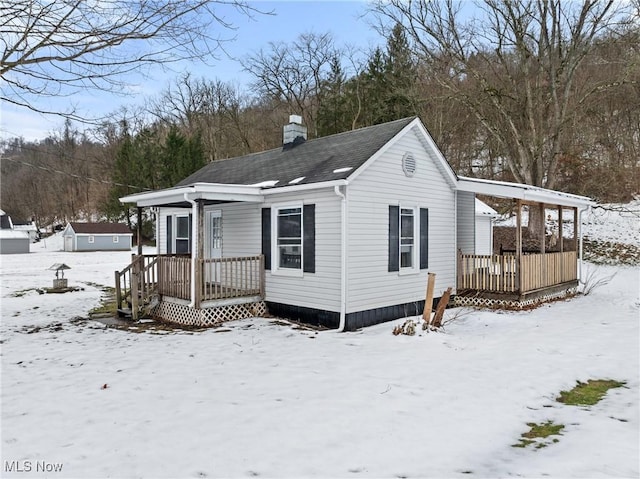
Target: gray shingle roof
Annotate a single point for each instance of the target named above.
(315, 160)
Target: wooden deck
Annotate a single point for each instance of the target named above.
(216, 279)
(509, 275)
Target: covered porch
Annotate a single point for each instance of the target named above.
(190, 281)
(523, 272)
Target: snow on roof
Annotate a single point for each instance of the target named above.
(266, 184)
(483, 209)
(505, 189)
(25, 227)
(13, 234)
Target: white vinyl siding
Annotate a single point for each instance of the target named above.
(240, 229)
(320, 290)
(466, 222)
(382, 184)
(484, 235)
(240, 226)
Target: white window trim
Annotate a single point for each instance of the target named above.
(91, 239)
(415, 268)
(211, 214)
(175, 229)
(116, 239)
(275, 251)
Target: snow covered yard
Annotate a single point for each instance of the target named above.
(258, 399)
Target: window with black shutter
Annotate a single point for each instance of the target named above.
(293, 238)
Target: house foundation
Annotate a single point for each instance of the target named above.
(181, 313)
(512, 302)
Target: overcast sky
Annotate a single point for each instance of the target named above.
(344, 19)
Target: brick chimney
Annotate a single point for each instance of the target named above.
(295, 132)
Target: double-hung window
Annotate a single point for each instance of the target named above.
(408, 239)
(182, 234)
(289, 238)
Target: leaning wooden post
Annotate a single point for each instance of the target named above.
(428, 303)
(442, 304)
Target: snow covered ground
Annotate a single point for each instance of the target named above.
(261, 399)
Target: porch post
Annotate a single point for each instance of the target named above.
(560, 228)
(199, 251)
(543, 231)
(575, 228)
(519, 243)
(139, 231)
(578, 243)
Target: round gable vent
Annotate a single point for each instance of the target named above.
(408, 164)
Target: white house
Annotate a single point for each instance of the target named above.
(339, 231)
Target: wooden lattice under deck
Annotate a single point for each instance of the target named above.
(183, 314)
(504, 303)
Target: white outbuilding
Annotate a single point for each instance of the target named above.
(485, 216)
(12, 241)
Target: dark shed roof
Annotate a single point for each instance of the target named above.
(100, 228)
(315, 160)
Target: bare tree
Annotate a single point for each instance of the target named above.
(57, 48)
(294, 73)
(514, 66)
(211, 107)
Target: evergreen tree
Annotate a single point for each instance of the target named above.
(384, 91)
(374, 90)
(180, 156)
(401, 76)
(333, 114)
(123, 171)
(145, 162)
